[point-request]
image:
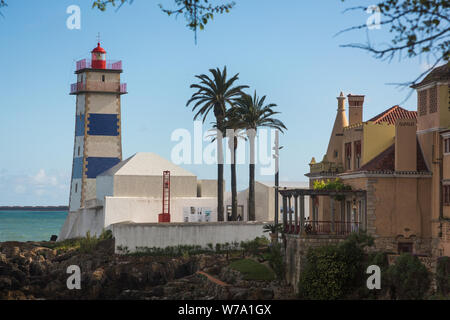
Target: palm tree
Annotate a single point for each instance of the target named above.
(254, 114)
(215, 95)
(234, 123)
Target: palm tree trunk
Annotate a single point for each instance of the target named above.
(233, 183)
(251, 193)
(251, 182)
(220, 177)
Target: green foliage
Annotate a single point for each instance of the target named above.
(443, 276)
(84, 245)
(252, 270)
(408, 278)
(276, 262)
(171, 251)
(418, 28)
(331, 185)
(273, 228)
(88, 243)
(335, 271)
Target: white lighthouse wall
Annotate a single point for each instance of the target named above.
(81, 99)
(103, 146)
(75, 195)
(103, 103)
(80, 222)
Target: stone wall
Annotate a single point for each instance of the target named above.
(296, 249)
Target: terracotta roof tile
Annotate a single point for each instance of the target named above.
(392, 114)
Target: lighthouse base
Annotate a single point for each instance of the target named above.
(163, 217)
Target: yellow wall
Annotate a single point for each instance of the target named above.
(377, 138)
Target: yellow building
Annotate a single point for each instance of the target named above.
(398, 166)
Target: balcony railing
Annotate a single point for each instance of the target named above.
(341, 228)
(110, 64)
(98, 86)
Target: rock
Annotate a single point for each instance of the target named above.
(238, 293)
(5, 283)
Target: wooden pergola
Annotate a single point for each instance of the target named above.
(296, 224)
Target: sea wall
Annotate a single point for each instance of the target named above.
(160, 235)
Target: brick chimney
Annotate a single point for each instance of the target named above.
(355, 109)
(405, 145)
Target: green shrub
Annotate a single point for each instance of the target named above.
(408, 278)
(276, 262)
(335, 271)
(88, 243)
(443, 276)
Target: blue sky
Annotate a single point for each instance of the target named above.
(283, 49)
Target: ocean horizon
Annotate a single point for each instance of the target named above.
(28, 225)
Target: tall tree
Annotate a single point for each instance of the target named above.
(234, 129)
(418, 28)
(253, 113)
(216, 95)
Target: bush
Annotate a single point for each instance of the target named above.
(276, 261)
(408, 278)
(335, 271)
(88, 243)
(443, 276)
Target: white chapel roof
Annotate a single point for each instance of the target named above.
(146, 164)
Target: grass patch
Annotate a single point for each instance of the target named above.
(84, 245)
(252, 270)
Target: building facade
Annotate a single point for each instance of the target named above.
(400, 161)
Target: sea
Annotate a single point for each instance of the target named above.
(30, 225)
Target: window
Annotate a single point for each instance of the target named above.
(336, 153)
(348, 155)
(357, 154)
(447, 145)
(76, 187)
(422, 102)
(405, 247)
(446, 195)
(432, 94)
(103, 78)
(78, 150)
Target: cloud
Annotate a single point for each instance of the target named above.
(40, 188)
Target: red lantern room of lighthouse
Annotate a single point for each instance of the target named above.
(98, 57)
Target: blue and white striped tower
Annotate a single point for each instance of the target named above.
(98, 140)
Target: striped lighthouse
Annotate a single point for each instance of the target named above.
(98, 141)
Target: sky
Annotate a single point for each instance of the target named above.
(286, 50)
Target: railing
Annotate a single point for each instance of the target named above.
(110, 64)
(324, 228)
(98, 86)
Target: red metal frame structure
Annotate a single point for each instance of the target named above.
(165, 215)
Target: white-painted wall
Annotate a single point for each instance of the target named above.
(144, 210)
(75, 195)
(149, 235)
(78, 223)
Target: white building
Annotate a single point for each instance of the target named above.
(264, 200)
(131, 191)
